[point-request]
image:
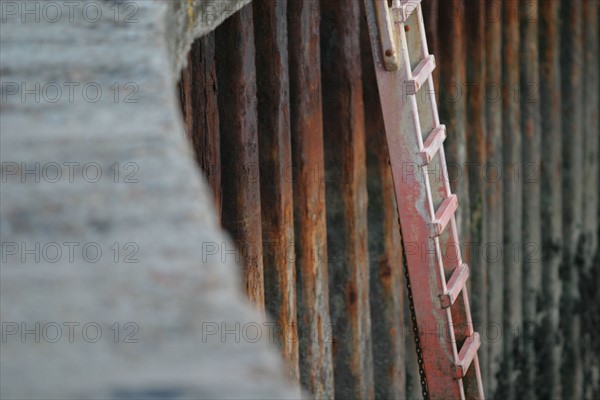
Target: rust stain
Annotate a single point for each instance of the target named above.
(238, 128)
(385, 269)
(309, 196)
(351, 296)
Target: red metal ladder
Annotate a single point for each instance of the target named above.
(446, 343)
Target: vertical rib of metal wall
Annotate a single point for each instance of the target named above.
(199, 89)
(314, 326)
(239, 146)
(550, 342)
(346, 188)
(477, 157)
(452, 107)
(513, 198)
(532, 229)
(494, 193)
(572, 186)
(274, 138)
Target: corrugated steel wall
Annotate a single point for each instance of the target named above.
(283, 113)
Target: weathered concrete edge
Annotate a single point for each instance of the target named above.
(35, 130)
(188, 20)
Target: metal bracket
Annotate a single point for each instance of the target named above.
(385, 26)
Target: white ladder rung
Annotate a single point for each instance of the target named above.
(420, 74)
(467, 353)
(443, 215)
(455, 285)
(432, 144)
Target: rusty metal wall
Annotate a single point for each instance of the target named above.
(295, 152)
(534, 64)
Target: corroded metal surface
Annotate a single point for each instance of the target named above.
(314, 326)
(199, 89)
(493, 184)
(532, 156)
(346, 185)
(276, 195)
(477, 155)
(239, 146)
(551, 192)
(512, 197)
(572, 185)
(452, 102)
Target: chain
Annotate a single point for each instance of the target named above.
(413, 317)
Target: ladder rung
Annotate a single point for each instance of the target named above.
(406, 9)
(432, 144)
(443, 215)
(466, 355)
(455, 285)
(420, 74)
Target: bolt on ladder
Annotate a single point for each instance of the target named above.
(446, 343)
